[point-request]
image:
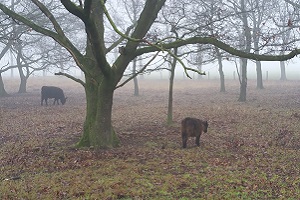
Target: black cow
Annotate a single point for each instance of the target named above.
(49, 92)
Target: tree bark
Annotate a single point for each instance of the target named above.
(98, 131)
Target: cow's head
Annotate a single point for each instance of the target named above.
(63, 100)
(205, 125)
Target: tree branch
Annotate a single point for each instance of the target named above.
(221, 45)
(72, 8)
(71, 77)
(49, 15)
(28, 22)
(115, 44)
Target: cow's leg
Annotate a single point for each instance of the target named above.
(184, 140)
(46, 100)
(55, 100)
(198, 140)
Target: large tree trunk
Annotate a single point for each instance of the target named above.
(259, 82)
(3, 93)
(98, 130)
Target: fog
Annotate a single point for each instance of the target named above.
(270, 70)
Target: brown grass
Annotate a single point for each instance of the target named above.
(251, 150)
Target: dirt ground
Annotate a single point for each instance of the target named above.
(31, 134)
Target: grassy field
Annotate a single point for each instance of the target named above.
(251, 149)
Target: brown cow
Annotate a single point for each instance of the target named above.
(192, 127)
